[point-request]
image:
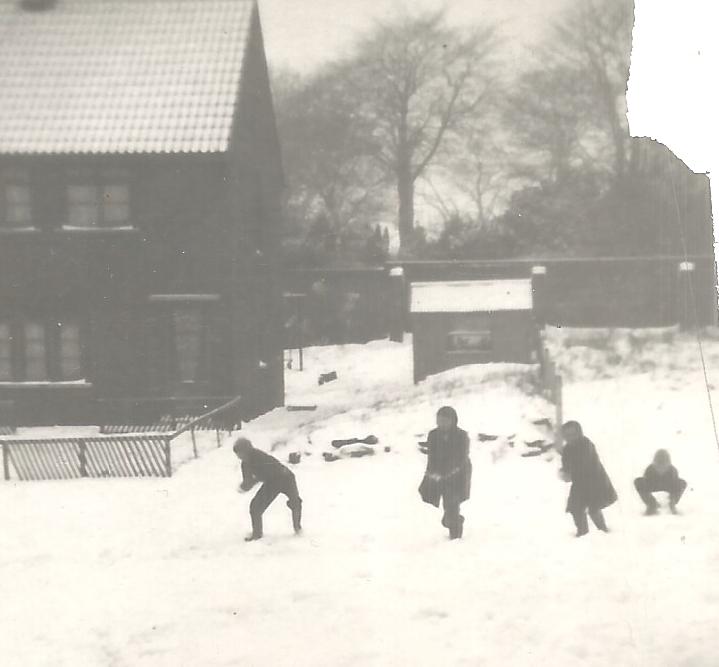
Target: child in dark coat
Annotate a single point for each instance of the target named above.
(591, 489)
(449, 470)
(660, 475)
(257, 466)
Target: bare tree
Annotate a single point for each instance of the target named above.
(419, 80)
(594, 40)
(568, 111)
(328, 152)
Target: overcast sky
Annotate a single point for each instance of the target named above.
(304, 35)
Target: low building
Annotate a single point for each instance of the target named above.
(457, 323)
(140, 200)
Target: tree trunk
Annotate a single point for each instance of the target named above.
(405, 191)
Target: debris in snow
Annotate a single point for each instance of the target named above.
(356, 450)
(294, 458)
(486, 437)
(329, 457)
(327, 377)
(369, 440)
(301, 408)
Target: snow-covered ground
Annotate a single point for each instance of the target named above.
(155, 572)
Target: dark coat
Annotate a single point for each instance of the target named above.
(450, 460)
(655, 479)
(591, 487)
(258, 466)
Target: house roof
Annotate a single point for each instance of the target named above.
(121, 76)
(471, 296)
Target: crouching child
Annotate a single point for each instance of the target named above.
(660, 475)
(276, 479)
(591, 489)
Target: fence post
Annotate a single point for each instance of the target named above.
(397, 304)
(168, 458)
(686, 306)
(82, 457)
(219, 440)
(194, 442)
(539, 302)
(558, 409)
(6, 461)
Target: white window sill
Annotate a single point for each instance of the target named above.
(46, 383)
(18, 230)
(98, 230)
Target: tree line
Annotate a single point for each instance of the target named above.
(511, 161)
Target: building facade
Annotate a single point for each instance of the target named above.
(140, 185)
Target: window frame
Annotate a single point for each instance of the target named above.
(52, 343)
(471, 325)
(16, 176)
(98, 179)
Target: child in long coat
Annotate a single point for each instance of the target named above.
(449, 470)
(591, 489)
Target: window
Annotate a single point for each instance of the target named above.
(15, 199)
(70, 352)
(35, 352)
(40, 350)
(470, 334)
(6, 344)
(189, 342)
(98, 199)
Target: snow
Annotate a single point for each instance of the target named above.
(155, 572)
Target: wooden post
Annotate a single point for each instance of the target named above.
(539, 302)
(558, 410)
(82, 456)
(194, 442)
(686, 307)
(219, 440)
(397, 304)
(6, 461)
(168, 458)
(300, 337)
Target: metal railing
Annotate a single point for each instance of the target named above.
(108, 455)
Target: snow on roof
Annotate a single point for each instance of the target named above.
(471, 296)
(121, 76)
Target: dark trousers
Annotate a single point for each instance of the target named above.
(263, 499)
(645, 488)
(452, 519)
(580, 520)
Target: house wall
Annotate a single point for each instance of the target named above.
(255, 178)
(513, 340)
(182, 224)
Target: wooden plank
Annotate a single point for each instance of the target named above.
(31, 449)
(19, 462)
(156, 449)
(6, 461)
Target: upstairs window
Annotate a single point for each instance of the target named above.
(15, 199)
(98, 199)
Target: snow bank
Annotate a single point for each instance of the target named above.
(155, 573)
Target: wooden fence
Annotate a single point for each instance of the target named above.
(552, 388)
(106, 455)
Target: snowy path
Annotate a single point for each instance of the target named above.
(153, 573)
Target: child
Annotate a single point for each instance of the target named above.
(449, 470)
(275, 477)
(591, 488)
(660, 475)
